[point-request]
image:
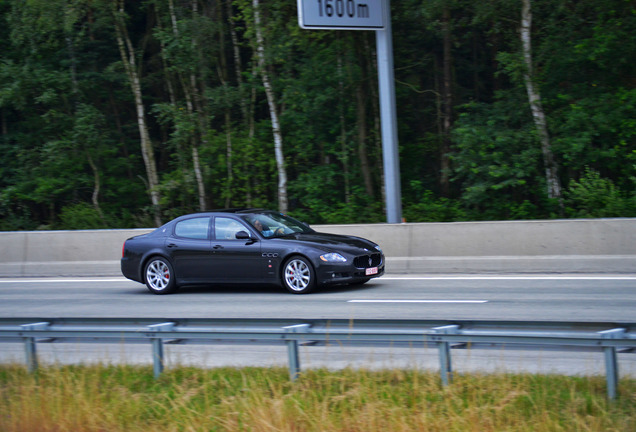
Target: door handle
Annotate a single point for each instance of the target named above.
(217, 247)
(172, 246)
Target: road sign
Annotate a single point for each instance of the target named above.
(342, 14)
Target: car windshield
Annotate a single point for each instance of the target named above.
(276, 225)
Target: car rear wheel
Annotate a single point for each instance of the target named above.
(298, 275)
(159, 276)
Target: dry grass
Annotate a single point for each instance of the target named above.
(123, 398)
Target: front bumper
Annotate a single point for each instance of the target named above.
(336, 273)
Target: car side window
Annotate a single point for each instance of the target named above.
(196, 228)
(226, 228)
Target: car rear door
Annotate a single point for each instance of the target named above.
(189, 249)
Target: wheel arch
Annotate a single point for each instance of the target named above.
(150, 255)
(313, 278)
(287, 257)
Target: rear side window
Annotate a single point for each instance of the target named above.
(196, 228)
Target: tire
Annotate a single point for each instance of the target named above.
(159, 276)
(298, 275)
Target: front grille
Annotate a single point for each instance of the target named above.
(366, 261)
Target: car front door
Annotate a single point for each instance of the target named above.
(235, 260)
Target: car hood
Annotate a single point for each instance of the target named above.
(328, 242)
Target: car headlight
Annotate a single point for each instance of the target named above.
(333, 257)
(378, 248)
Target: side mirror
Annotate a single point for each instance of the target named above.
(243, 235)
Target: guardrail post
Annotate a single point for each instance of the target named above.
(157, 346)
(30, 349)
(611, 361)
(445, 362)
(292, 349)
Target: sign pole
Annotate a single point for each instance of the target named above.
(368, 15)
(391, 156)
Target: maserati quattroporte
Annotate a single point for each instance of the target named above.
(247, 246)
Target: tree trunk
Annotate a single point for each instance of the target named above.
(198, 173)
(361, 114)
(76, 97)
(361, 120)
(193, 104)
(3, 122)
(447, 103)
(370, 67)
(228, 156)
(96, 187)
(269, 92)
(128, 59)
(343, 132)
(534, 97)
(238, 66)
(223, 73)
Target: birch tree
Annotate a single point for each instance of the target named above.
(193, 102)
(534, 97)
(273, 110)
(128, 55)
(447, 101)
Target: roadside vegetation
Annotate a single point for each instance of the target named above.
(122, 114)
(127, 398)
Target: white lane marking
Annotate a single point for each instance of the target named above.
(385, 277)
(529, 277)
(61, 280)
(417, 301)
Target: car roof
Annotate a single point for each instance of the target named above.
(242, 211)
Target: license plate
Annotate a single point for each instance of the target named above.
(371, 271)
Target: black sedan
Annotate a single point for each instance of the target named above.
(247, 246)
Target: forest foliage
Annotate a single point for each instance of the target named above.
(119, 113)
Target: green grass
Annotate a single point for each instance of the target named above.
(127, 398)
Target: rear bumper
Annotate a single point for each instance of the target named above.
(130, 269)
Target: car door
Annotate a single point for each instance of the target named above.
(235, 260)
(189, 249)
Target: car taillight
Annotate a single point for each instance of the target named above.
(123, 250)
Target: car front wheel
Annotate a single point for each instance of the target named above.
(159, 276)
(298, 275)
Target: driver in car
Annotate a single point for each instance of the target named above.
(262, 228)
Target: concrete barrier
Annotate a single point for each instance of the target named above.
(563, 246)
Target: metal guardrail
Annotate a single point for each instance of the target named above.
(605, 337)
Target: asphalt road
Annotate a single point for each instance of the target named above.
(610, 298)
(516, 297)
